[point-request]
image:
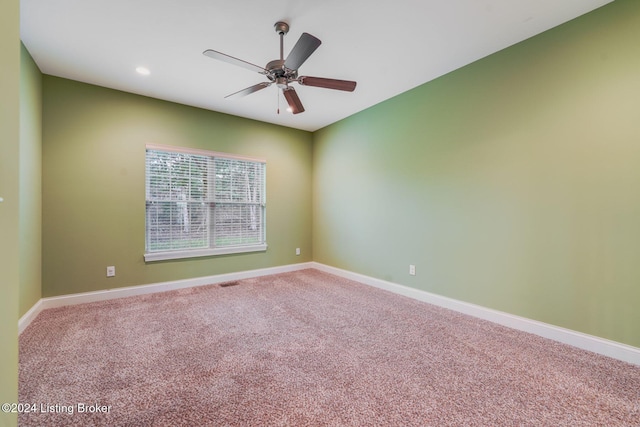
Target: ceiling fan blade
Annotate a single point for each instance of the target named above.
(345, 85)
(305, 46)
(235, 61)
(294, 101)
(249, 90)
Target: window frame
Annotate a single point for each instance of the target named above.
(162, 255)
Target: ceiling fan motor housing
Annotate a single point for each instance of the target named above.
(279, 74)
(276, 67)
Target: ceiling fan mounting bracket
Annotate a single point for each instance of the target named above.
(282, 28)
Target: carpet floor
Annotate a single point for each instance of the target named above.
(306, 349)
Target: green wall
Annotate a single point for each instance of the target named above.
(93, 166)
(30, 182)
(511, 183)
(10, 207)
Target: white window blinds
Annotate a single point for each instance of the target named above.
(201, 203)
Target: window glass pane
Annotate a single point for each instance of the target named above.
(198, 171)
(158, 175)
(237, 224)
(177, 225)
(238, 181)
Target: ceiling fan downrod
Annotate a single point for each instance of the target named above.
(282, 28)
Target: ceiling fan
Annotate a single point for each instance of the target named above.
(283, 71)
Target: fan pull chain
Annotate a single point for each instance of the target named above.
(278, 96)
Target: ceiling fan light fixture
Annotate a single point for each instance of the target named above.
(282, 82)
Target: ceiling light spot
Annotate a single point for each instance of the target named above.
(143, 70)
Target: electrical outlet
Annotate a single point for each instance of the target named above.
(412, 270)
(297, 251)
(111, 271)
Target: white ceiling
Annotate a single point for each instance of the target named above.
(388, 47)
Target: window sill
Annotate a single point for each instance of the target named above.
(195, 253)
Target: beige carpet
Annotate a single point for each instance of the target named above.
(306, 349)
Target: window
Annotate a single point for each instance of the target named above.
(202, 203)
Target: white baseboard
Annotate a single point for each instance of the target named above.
(85, 297)
(591, 343)
(28, 317)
